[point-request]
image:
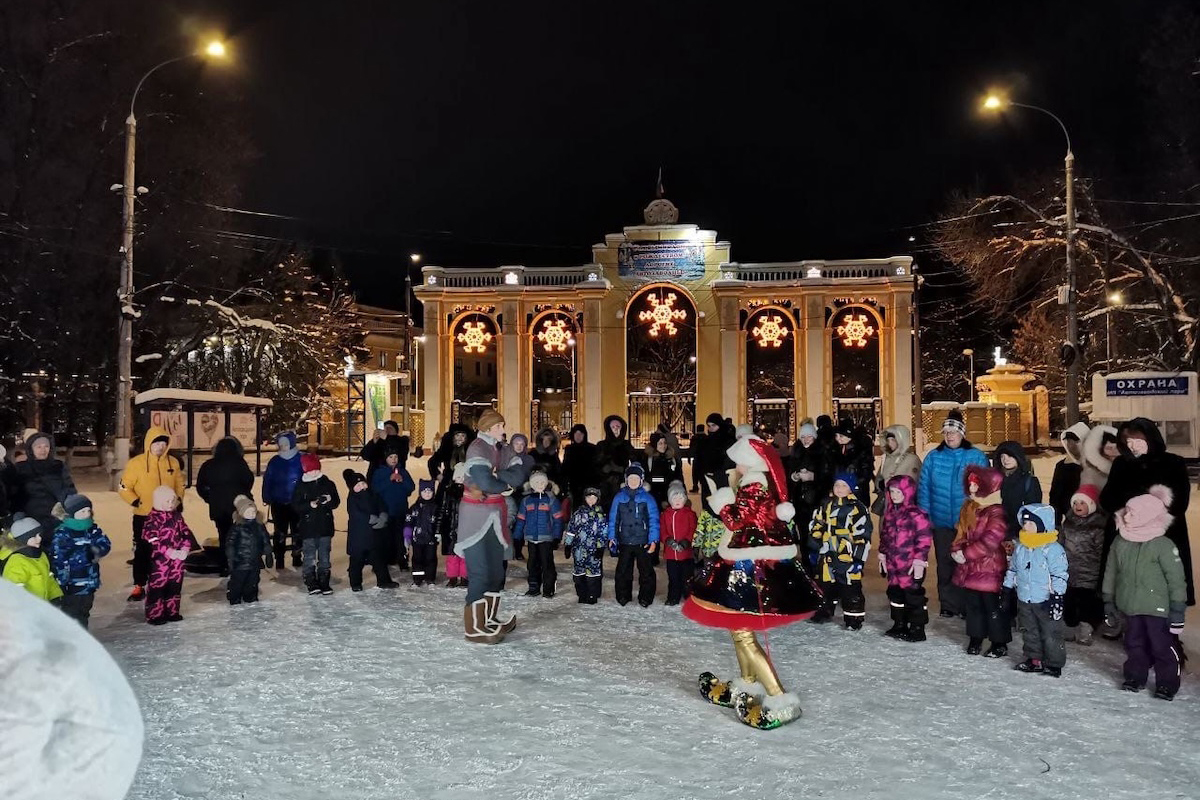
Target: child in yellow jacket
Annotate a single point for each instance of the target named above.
(24, 563)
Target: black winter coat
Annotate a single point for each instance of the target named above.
(1063, 486)
(1132, 476)
(247, 544)
(613, 455)
(41, 485)
(808, 495)
(549, 459)
(856, 458)
(223, 477)
(360, 507)
(579, 466)
(1020, 487)
(661, 470)
(710, 460)
(313, 523)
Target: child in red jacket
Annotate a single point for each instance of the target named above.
(677, 528)
(982, 561)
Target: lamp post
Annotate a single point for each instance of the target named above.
(414, 259)
(995, 102)
(970, 354)
(129, 192)
(1114, 299)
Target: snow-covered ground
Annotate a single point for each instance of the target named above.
(376, 695)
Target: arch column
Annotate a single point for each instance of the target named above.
(509, 366)
(436, 404)
(589, 349)
(816, 369)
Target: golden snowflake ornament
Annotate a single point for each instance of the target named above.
(474, 337)
(770, 331)
(554, 335)
(855, 330)
(662, 314)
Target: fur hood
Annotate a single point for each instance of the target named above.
(608, 434)
(1074, 451)
(1093, 446)
(555, 441)
(1147, 428)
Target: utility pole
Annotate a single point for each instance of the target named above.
(124, 431)
(407, 377)
(1072, 303)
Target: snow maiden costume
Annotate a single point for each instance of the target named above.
(483, 538)
(754, 582)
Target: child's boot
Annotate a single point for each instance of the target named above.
(1029, 665)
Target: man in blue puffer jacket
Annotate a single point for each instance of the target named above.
(279, 482)
(940, 494)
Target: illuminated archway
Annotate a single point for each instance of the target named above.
(553, 365)
(474, 372)
(660, 359)
(854, 332)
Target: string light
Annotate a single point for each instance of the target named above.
(474, 337)
(770, 332)
(855, 330)
(663, 314)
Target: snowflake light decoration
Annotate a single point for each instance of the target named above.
(663, 314)
(474, 337)
(554, 335)
(855, 330)
(770, 332)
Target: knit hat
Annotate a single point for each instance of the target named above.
(848, 478)
(75, 503)
(310, 463)
(808, 429)
(487, 419)
(424, 484)
(635, 469)
(1040, 514)
(165, 499)
(676, 489)
(1145, 517)
(1088, 494)
(591, 490)
(240, 504)
(845, 427)
(24, 528)
(954, 425)
(714, 419)
(353, 478)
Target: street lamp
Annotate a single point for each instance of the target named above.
(1114, 299)
(571, 344)
(213, 50)
(997, 102)
(414, 258)
(969, 353)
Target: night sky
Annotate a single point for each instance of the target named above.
(488, 133)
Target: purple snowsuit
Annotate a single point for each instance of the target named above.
(905, 536)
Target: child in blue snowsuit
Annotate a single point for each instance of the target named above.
(1037, 571)
(539, 525)
(633, 530)
(587, 534)
(75, 550)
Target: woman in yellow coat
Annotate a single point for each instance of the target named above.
(24, 562)
(154, 467)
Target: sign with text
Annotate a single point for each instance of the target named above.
(244, 428)
(174, 423)
(1146, 387)
(674, 260)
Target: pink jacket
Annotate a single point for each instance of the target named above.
(981, 534)
(905, 535)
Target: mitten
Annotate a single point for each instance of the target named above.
(720, 498)
(882, 566)
(1008, 600)
(600, 551)
(1176, 628)
(917, 570)
(824, 548)
(93, 553)
(1110, 614)
(958, 557)
(566, 551)
(269, 558)
(1056, 606)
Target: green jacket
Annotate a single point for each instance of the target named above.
(30, 568)
(1146, 578)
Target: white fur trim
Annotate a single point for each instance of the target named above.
(1092, 446)
(785, 511)
(1163, 493)
(780, 552)
(743, 454)
(720, 498)
(742, 686)
(777, 703)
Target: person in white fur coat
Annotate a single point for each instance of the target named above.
(72, 729)
(753, 582)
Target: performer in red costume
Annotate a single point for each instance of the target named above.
(753, 582)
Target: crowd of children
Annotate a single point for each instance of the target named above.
(1059, 572)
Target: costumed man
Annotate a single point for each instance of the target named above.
(754, 582)
(484, 541)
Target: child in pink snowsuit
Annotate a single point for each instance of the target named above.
(170, 540)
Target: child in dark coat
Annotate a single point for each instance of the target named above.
(170, 540)
(1082, 536)
(587, 534)
(246, 546)
(840, 534)
(314, 500)
(677, 527)
(393, 484)
(367, 532)
(905, 536)
(420, 533)
(75, 551)
(539, 525)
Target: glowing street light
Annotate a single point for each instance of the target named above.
(215, 49)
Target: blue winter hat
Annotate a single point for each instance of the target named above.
(848, 478)
(808, 429)
(424, 484)
(635, 469)
(1040, 514)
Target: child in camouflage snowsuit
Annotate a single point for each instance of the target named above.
(75, 551)
(840, 534)
(587, 536)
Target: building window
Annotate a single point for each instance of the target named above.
(382, 360)
(491, 370)
(477, 373)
